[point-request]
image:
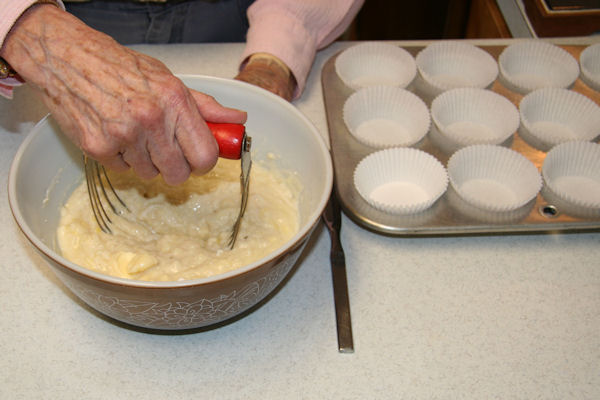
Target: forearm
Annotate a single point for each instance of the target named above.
(29, 44)
(293, 31)
(55, 52)
(10, 12)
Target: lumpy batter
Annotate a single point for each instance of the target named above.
(177, 233)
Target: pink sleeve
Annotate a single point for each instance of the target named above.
(294, 30)
(10, 11)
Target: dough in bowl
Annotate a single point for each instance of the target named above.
(179, 233)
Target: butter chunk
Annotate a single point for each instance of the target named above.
(133, 263)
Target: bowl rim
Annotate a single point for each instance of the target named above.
(312, 219)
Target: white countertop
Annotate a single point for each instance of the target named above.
(504, 317)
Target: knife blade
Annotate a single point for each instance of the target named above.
(332, 217)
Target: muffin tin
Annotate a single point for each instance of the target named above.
(450, 214)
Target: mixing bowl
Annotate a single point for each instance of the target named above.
(47, 167)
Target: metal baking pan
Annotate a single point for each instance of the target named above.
(449, 215)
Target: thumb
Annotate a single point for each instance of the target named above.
(211, 110)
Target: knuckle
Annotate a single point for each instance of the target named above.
(120, 134)
(175, 91)
(144, 112)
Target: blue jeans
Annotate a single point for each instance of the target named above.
(179, 21)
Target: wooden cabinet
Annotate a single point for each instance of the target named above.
(560, 18)
(486, 21)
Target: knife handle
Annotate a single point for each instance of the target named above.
(230, 138)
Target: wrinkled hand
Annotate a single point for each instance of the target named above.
(269, 75)
(122, 108)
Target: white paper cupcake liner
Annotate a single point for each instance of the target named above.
(589, 60)
(385, 116)
(534, 64)
(375, 64)
(400, 180)
(493, 178)
(490, 217)
(468, 116)
(448, 64)
(572, 172)
(552, 115)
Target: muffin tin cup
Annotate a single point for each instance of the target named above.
(447, 65)
(375, 64)
(493, 178)
(552, 116)
(468, 116)
(400, 180)
(489, 217)
(533, 64)
(571, 172)
(384, 116)
(589, 61)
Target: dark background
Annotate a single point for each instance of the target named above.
(469, 19)
(411, 19)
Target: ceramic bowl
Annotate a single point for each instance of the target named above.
(47, 167)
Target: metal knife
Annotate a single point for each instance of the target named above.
(332, 216)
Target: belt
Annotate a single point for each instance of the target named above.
(125, 1)
(135, 1)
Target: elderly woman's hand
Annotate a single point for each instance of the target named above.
(120, 107)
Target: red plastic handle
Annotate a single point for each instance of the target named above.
(230, 138)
